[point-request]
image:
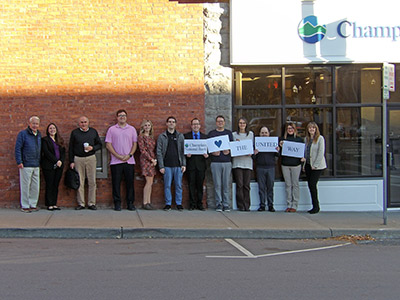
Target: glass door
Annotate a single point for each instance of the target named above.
(394, 158)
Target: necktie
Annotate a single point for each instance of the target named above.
(196, 137)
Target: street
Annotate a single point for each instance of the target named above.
(198, 269)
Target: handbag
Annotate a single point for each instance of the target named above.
(71, 179)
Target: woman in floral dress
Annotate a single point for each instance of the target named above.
(148, 161)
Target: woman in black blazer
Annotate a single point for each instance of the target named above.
(52, 161)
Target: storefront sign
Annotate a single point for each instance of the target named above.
(240, 148)
(218, 143)
(196, 147)
(266, 144)
(298, 32)
(293, 149)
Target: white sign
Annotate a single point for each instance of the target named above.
(293, 149)
(240, 148)
(356, 31)
(195, 147)
(218, 143)
(266, 143)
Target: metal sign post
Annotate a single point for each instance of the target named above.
(388, 85)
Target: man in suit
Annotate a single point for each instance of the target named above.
(196, 168)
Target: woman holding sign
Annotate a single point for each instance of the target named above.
(148, 161)
(315, 162)
(242, 167)
(291, 166)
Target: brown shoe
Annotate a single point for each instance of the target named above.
(292, 210)
(288, 209)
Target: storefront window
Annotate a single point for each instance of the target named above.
(309, 85)
(358, 141)
(259, 118)
(359, 84)
(346, 105)
(395, 96)
(261, 88)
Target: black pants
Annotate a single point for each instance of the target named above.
(195, 181)
(52, 178)
(242, 179)
(312, 179)
(117, 171)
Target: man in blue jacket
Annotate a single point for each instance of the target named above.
(27, 155)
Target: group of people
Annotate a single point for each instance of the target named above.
(166, 153)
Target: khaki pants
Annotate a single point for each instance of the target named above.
(86, 167)
(291, 176)
(29, 180)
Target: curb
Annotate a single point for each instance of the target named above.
(139, 233)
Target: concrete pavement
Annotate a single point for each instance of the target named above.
(107, 223)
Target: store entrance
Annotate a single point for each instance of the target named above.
(394, 157)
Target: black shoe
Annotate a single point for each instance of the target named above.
(313, 211)
(167, 207)
(261, 209)
(179, 207)
(79, 207)
(117, 208)
(92, 207)
(271, 209)
(201, 208)
(191, 208)
(131, 207)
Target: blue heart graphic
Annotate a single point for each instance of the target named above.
(218, 143)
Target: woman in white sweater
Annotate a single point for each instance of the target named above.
(315, 162)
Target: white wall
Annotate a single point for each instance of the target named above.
(334, 195)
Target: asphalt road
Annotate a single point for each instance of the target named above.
(198, 269)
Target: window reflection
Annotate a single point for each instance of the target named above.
(309, 85)
(359, 145)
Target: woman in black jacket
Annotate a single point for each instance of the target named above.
(291, 169)
(52, 161)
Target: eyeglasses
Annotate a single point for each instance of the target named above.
(196, 124)
(121, 116)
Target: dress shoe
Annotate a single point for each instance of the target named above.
(50, 208)
(191, 208)
(79, 207)
(200, 207)
(261, 209)
(56, 208)
(287, 209)
(148, 206)
(131, 207)
(117, 208)
(92, 207)
(292, 210)
(179, 207)
(271, 209)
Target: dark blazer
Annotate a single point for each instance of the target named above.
(195, 162)
(48, 159)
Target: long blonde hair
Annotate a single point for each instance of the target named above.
(317, 133)
(142, 127)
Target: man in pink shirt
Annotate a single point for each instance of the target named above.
(121, 142)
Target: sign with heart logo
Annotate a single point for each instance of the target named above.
(218, 143)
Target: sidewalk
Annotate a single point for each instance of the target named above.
(107, 223)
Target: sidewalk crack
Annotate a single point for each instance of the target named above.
(234, 224)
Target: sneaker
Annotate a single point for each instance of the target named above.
(227, 209)
(219, 208)
(92, 207)
(261, 209)
(34, 209)
(148, 206)
(179, 207)
(26, 210)
(167, 207)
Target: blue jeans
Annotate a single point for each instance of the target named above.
(174, 173)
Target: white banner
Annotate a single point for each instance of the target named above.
(195, 147)
(293, 149)
(266, 143)
(218, 143)
(240, 148)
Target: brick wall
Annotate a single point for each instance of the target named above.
(62, 59)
